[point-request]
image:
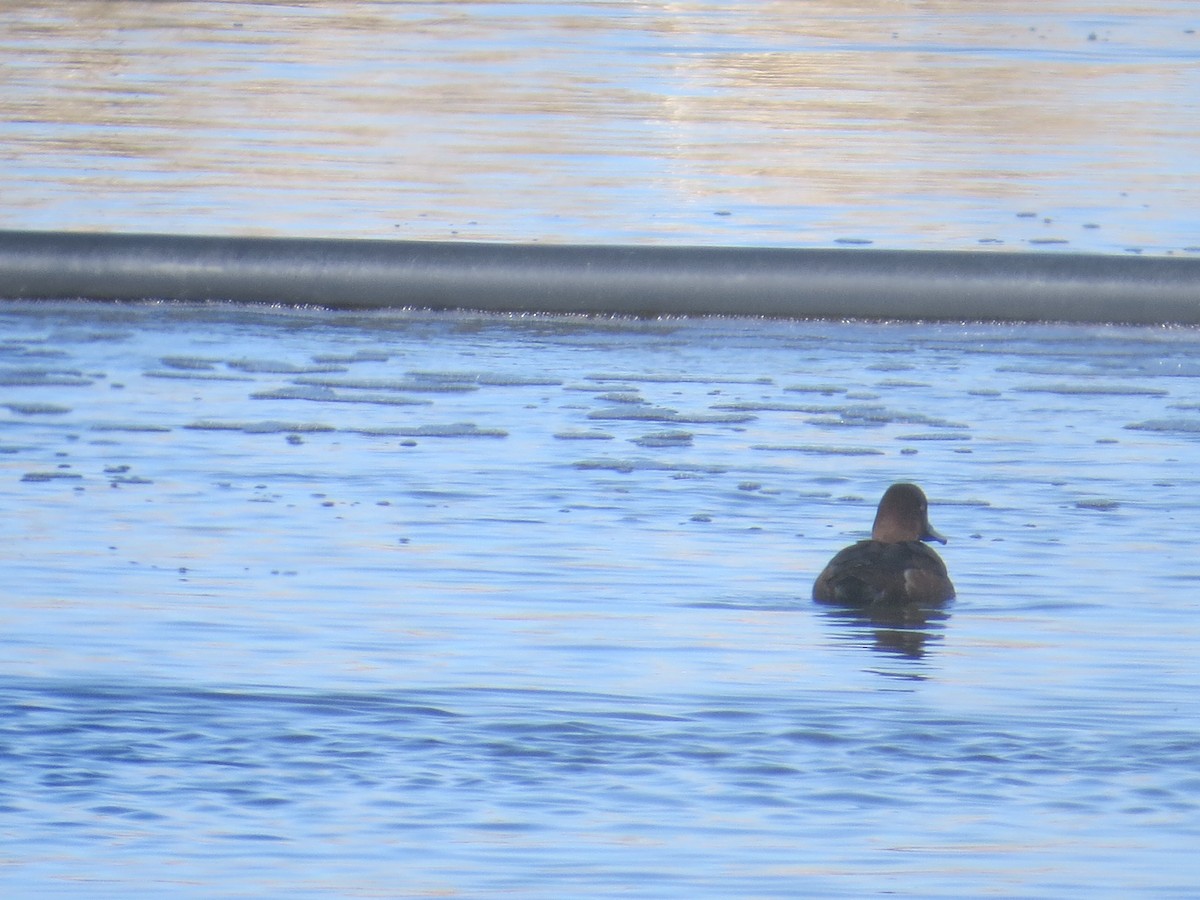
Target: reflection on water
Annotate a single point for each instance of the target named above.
(901, 631)
(469, 605)
(943, 125)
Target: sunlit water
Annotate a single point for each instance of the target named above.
(312, 604)
(947, 125)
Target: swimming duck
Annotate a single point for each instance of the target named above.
(893, 568)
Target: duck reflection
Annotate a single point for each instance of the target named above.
(906, 632)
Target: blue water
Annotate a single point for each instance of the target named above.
(308, 604)
(304, 604)
(1070, 125)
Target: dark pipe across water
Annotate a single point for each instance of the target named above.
(603, 279)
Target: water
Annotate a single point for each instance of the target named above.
(1063, 126)
(308, 604)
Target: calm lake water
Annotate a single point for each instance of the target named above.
(306, 604)
(312, 604)
(949, 125)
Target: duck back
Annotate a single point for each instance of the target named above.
(878, 573)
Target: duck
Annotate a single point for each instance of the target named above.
(894, 568)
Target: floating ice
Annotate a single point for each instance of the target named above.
(389, 384)
(1097, 390)
(192, 375)
(664, 439)
(42, 377)
(129, 426)
(37, 409)
(190, 363)
(265, 427)
(329, 395)
(581, 435)
(459, 429)
(818, 450)
(275, 367)
(1181, 426)
(641, 464)
(675, 379)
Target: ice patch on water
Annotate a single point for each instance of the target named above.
(768, 406)
(329, 395)
(675, 379)
(818, 450)
(133, 427)
(901, 383)
(264, 427)
(600, 389)
(43, 377)
(496, 380)
(36, 409)
(815, 389)
(356, 356)
(192, 375)
(664, 439)
(1098, 504)
(459, 429)
(276, 367)
(50, 476)
(666, 415)
(489, 379)
(838, 422)
(408, 385)
(711, 418)
(1094, 390)
(190, 363)
(1178, 426)
(642, 464)
(444, 376)
(583, 435)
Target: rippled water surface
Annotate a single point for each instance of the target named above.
(311, 604)
(922, 124)
(305, 604)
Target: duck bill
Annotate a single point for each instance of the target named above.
(931, 534)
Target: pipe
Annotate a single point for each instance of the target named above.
(621, 280)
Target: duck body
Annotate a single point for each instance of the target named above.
(894, 568)
(874, 573)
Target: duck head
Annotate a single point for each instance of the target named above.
(903, 515)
